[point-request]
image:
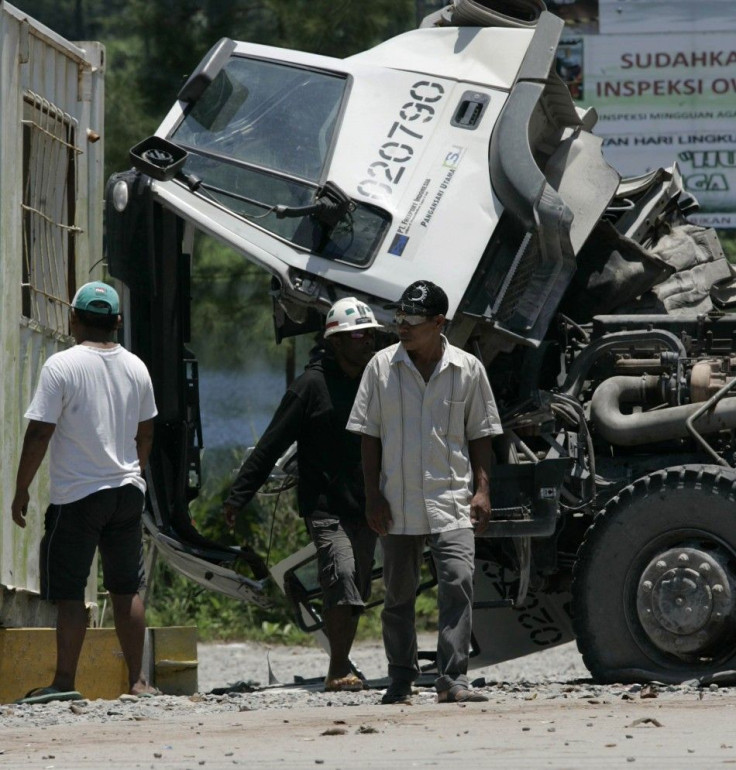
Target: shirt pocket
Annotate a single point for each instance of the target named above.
(449, 419)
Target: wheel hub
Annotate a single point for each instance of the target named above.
(684, 600)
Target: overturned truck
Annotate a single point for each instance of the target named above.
(454, 153)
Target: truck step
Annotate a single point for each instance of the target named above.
(540, 527)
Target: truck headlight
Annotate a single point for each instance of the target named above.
(120, 195)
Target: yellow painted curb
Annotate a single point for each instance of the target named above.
(174, 653)
(28, 660)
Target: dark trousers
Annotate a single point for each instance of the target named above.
(453, 553)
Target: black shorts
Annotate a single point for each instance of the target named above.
(109, 519)
(345, 552)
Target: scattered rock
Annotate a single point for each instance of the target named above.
(649, 691)
(645, 721)
(554, 674)
(366, 729)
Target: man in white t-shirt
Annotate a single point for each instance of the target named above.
(94, 409)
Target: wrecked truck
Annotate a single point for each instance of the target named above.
(454, 153)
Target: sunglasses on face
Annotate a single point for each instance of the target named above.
(409, 318)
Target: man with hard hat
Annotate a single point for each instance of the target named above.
(314, 412)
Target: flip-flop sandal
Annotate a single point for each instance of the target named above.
(154, 694)
(48, 694)
(349, 683)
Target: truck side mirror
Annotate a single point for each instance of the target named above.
(159, 158)
(207, 70)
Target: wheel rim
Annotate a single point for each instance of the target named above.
(685, 594)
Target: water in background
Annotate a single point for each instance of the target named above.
(236, 406)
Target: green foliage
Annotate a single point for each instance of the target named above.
(173, 36)
(73, 19)
(232, 321)
(127, 121)
(338, 28)
(728, 241)
(270, 524)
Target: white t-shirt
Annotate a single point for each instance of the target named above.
(96, 398)
(426, 476)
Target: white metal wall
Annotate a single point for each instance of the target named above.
(70, 80)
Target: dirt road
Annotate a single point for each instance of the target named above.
(543, 712)
(688, 732)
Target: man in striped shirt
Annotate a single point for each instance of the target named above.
(426, 415)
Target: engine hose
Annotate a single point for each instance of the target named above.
(650, 427)
(577, 414)
(603, 346)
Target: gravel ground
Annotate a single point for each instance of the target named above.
(234, 678)
(220, 665)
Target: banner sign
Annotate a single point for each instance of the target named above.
(651, 17)
(662, 95)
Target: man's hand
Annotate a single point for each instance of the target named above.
(35, 443)
(480, 511)
(481, 452)
(230, 513)
(19, 507)
(378, 514)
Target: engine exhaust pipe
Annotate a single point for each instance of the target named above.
(663, 424)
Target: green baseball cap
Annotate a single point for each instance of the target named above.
(97, 297)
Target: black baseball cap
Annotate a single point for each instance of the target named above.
(422, 298)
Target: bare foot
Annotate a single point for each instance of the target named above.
(142, 688)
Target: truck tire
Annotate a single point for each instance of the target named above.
(654, 583)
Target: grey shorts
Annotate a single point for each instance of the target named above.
(109, 519)
(344, 560)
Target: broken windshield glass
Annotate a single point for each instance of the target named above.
(267, 115)
(260, 136)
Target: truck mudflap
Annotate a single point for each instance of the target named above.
(507, 632)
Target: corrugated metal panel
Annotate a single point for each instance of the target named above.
(46, 82)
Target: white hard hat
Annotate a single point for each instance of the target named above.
(349, 314)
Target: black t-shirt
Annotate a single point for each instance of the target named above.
(313, 412)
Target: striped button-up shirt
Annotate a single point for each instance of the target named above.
(424, 429)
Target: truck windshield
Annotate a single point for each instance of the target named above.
(261, 135)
